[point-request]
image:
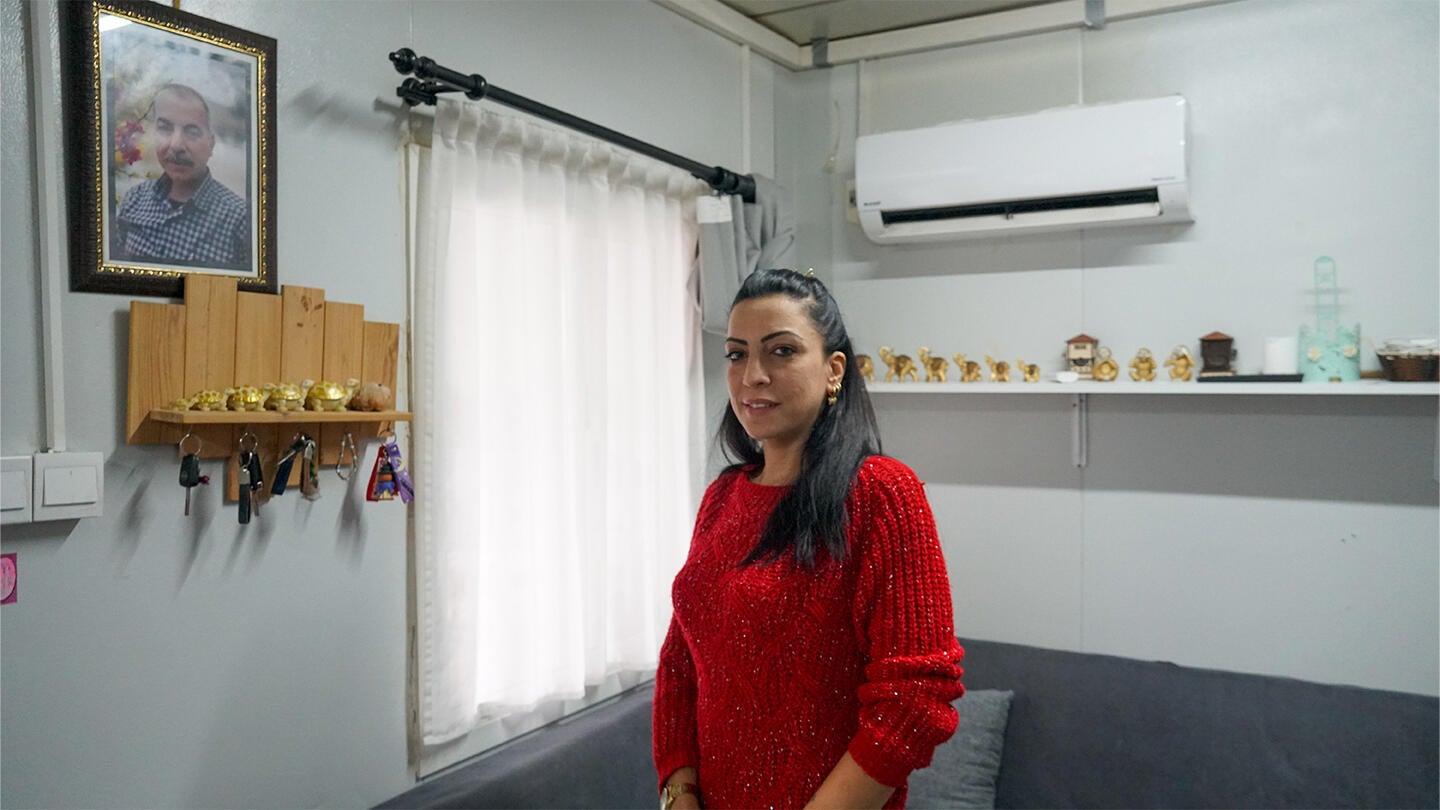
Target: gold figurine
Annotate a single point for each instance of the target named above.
(245, 398)
(1180, 363)
(1030, 370)
(207, 400)
(866, 366)
(328, 396)
(1106, 369)
(286, 396)
(969, 369)
(1142, 368)
(901, 366)
(999, 369)
(935, 367)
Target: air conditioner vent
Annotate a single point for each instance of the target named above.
(1010, 208)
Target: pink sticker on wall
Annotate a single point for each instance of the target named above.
(9, 577)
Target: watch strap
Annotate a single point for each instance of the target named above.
(672, 791)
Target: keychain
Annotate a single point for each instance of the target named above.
(310, 470)
(287, 461)
(382, 478)
(389, 478)
(247, 465)
(347, 444)
(190, 476)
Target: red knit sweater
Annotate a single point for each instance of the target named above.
(770, 672)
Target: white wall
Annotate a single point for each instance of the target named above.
(159, 661)
(1263, 534)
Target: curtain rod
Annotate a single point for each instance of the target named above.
(431, 78)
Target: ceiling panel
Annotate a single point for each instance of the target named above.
(800, 21)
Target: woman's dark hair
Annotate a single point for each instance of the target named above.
(813, 512)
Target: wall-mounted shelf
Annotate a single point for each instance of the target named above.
(274, 417)
(220, 337)
(1080, 393)
(1373, 388)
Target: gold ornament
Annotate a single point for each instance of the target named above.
(245, 398)
(1142, 368)
(286, 396)
(969, 369)
(328, 396)
(832, 394)
(1106, 369)
(1030, 370)
(934, 366)
(900, 365)
(867, 366)
(207, 400)
(999, 369)
(1180, 363)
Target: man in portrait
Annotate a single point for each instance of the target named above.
(185, 216)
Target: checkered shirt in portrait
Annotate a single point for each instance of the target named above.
(212, 228)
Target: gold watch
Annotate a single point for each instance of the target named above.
(671, 792)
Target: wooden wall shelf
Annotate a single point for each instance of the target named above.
(221, 338)
(274, 417)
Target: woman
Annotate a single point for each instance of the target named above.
(812, 659)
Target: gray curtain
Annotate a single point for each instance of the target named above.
(735, 243)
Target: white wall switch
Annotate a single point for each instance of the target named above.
(68, 485)
(15, 473)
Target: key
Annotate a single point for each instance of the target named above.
(244, 473)
(189, 476)
(310, 470)
(257, 482)
(287, 461)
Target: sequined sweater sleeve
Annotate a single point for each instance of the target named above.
(902, 610)
(673, 721)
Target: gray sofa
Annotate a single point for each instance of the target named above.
(1083, 731)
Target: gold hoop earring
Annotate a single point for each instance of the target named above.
(833, 395)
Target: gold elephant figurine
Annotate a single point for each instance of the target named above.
(900, 366)
(969, 369)
(935, 367)
(1030, 370)
(999, 369)
(866, 366)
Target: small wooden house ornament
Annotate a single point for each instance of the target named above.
(1216, 352)
(1080, 355)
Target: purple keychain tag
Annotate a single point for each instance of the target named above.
(402, 475)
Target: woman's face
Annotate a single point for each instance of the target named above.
(779, 371)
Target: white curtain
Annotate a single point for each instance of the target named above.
(557, 414)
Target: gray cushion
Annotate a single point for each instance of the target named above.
(965, 768)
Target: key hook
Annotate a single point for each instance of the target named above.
(254, 441)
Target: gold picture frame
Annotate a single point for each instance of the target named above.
(170, 144)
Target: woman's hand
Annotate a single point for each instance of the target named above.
(687, 800)
(848, 786)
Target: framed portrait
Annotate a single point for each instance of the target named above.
(170, 148)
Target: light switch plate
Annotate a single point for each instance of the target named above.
(68, 485)
(15, 475)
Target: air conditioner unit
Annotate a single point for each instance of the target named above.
(1069, 168)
